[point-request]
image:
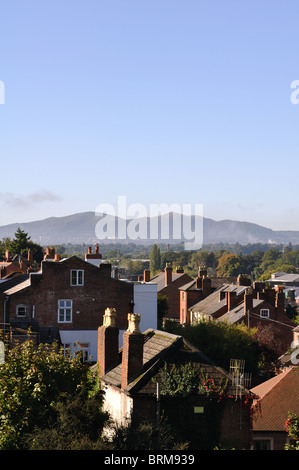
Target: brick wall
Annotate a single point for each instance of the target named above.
(89, 301)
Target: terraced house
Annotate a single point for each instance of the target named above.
(66, 300)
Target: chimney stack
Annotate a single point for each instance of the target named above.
(107, 342)
(168, 274)
(248, 301)
(93, 256)
(30, 256)
(132, 351)
(146, 275)
(231, 299)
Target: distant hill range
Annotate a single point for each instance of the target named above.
(81, 228)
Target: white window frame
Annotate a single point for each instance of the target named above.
(63, 306)
(78, 281)
(261, 439)
(264, 313)
(84, 348)
(21, 306)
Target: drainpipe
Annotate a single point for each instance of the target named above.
(4, 314)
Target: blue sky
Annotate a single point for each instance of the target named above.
(161, 101)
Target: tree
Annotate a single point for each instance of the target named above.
(292, 428)
(155, 259)
(21, 243)
(163, 308)
(230, 265)
(33, 381)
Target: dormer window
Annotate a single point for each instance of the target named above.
(77, 277)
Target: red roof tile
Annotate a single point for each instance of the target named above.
(277, 397)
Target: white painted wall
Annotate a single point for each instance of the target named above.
(145, 299)
(118, 404)
(81, 336)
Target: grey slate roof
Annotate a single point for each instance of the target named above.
(12, 283)
(156, 343)
(237, 313)
(159, 279)
(212, 303)
(160, 346)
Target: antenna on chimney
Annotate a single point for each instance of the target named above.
(240, 379)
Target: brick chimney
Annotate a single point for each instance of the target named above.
(243, 280)
(50, 253)
(30, 256)
(280, 303)
(168, 275)
(7, 255)
(132, 352)
(146, 275)
(231, 299)
(248, 301)
(93, 256)
(107, 341)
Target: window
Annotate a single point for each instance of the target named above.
(199, 409)
(65, 308)
(183, 295)
(21, 311)
(264, 312)
(67, 350)
(84, 350)
(77, 277)
(262, 444)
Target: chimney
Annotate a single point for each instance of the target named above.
(7, 255)
(168, 274)
(93, 256)
(56, 257)
(146, 275)
(107, 341)
(202, 272)
(132, 351)
(248, 301)
(231, 299)
(30, 256)
(243, 280)
(280, 303)
(50, 252)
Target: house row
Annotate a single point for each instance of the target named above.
(66, 298)
(230, 417)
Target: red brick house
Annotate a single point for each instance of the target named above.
(276, 397)
(67, 298)
(133, 381)
(16, 264)
(168, 284)
(193, 292)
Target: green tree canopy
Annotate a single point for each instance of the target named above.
(155, 259)
(32, 383)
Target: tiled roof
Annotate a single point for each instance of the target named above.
(159, 279)
(212, 303)
(18, 287)
(13, 283)
(237, 313)
(159, 347)
(277, 397)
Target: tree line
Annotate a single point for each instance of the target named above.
(257, 260)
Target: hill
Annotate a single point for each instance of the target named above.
(80, 228)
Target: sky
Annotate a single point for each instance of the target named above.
(158, 101)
